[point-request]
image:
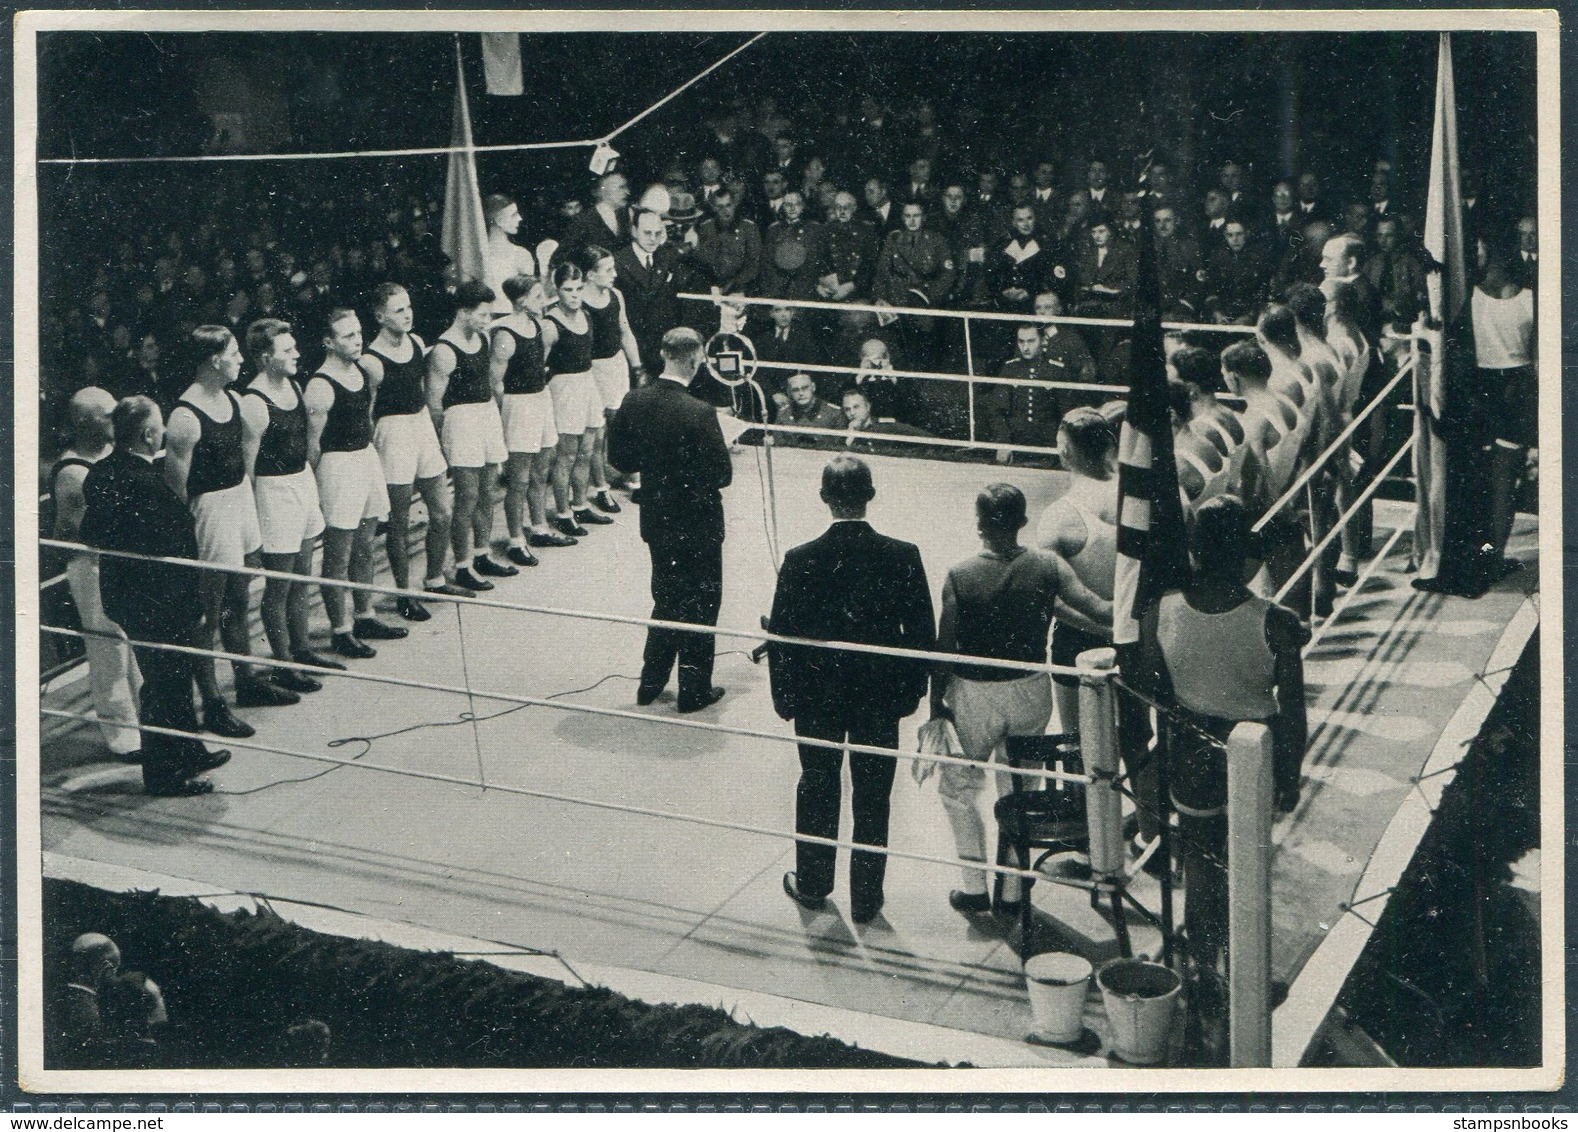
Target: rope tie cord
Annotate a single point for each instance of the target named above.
(600, 804)
(579, 614)
(562, 705)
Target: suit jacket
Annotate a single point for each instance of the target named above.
(851, 584)
(1399, 284)
(1119, 271)
(130, 507)
(802, 348)
(673, 440)
(651, 298)
(590, 228)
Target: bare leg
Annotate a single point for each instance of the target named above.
(482, 513)
(296, 608)
(212, 591)
(581, 472)
(435, 495)
(563, 466)
(462, 528)
(277, 595)
(600, 457)
(396, 542)
(515, 495)
(537, 488)
(336, 567)
(361, 566)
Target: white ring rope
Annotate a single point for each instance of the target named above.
(967, 316)
(552, 611)
(558, 705)
(1331, 449)
(932, 375)
(1343, 520)
(848, 437)
(599, 804)
(1354, 590)
(423, 151)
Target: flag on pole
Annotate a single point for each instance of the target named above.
(465, 232)
(501, 62)
(1448, 290)
(1153, 554)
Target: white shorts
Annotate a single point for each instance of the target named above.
(613, 379)
(528, 422)
(351, 488)
(473, 435)
(577, 404)
(227, 525)
(408, 448)
(288, 511)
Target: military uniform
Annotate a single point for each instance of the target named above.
(914, 261)
(849, 251)
(792, 260)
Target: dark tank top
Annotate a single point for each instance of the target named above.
(403, 390)
(468, 384)
(606, 339)
(350, 424)
(283, 449)
(525, 372)
(217, 460)
(47, 518)
(572, 353)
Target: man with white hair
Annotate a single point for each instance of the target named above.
(112, 673)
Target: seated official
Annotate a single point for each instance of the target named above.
(800, 406)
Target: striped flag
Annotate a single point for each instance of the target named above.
(1153, 553)
(1448, 288)
(465, 232)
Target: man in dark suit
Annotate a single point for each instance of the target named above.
(673, 441)
(648, 272)
(790, 342)
(855, 585)
(130, 507)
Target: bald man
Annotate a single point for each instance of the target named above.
(74, 1026)
(112, 670)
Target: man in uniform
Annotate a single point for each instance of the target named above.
(915, 266)
(792, 252)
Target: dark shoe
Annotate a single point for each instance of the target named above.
(294, 681)
(181, 789)
(347, 645)
(1345, 577)
(645, 696)
(713, 696)
(447, 590)
(865, 913)
(606, 501)
(567, 527)
(467, 580)
(550, 539)
(1008, 909)
(1505, 569)
(809, 903)
(635, 496)
(587, 515)
(411, 609)
(131, 758)
(219, 719)
(970, 903)
(307, 656)
(491, 569)
(372, 629)
(209, 760)
(263, 693)
(521, 556)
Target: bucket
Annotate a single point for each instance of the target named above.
(1139, 997)
(1058, 983)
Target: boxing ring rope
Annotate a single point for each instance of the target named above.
(578, 614)
(932, 375)
(599, 804)
(538, 701)
(420, 151)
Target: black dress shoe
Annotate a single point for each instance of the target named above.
(587, 515)
(317, 660)
(521, 556)
(606, 501)
(550, 538)
(713, 696)
(411, 609)
(255, 692)
(491, 569)
(181, 789)
(132, 758)
(809, 903)
(372, 629)
(209, 760)
(347, 645)
(469, 581)
(219, 719)
(970, 903)
(294, 681)
(865, 913)
(1345, 577)
(635, 496)
(447, 589)
(645, 695)
(568, 527)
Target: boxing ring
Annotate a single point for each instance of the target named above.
(488, 787)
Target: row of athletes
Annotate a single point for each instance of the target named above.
(269, 467)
